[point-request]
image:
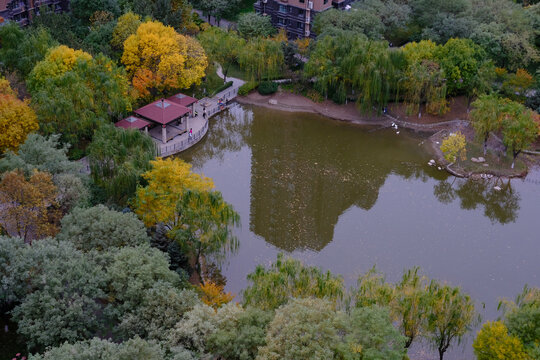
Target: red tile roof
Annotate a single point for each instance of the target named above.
(132, 122)
(170, 113)
(3, 4)
(182, 99)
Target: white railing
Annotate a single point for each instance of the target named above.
(165, 150)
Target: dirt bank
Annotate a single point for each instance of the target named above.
(456, 119)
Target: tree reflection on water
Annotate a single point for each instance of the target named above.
(500, 206)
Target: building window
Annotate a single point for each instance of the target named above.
(282, 8)
(282, 21)
(325, 2)
(301, 12)
(299, 25)
(302, 1)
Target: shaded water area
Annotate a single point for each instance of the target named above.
(338, 196)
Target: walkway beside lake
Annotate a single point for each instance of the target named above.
(198, 123)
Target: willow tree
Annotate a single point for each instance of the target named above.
(333, 62)
(288, 278)
(450, 315)
(377, 75)
(425, 83)
(345, 64)
(262, 58)
(118, 158)
(204, 227)
(222, 46)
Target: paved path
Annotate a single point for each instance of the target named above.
(224, 24)
(198, 123)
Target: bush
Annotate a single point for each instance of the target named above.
(247, 88)
(267, 87)
(227, 85)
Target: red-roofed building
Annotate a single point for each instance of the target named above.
(133, 122)
(183, 100)
(165, 112)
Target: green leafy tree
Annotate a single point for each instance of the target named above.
(303, 329)
(118, 158)
(73, 93)
(252, 25)
(133, 349)
(493, 342)
(99, 228)
(451, 314)
(486, 117)
(371, 335)
(40, 153)
(288, 278)
(162, 307)
(222, 47)
(11, 36)
(98, 40)
(241, 339)
(132, 272)
(126, 26)
(194, 331)
(64, 305)
(360, 21)
(22, 50)
(461, 60)
(519, 128)
(12, 286)
(522, 317)
(83, 10)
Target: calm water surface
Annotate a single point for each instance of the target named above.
(346, 198)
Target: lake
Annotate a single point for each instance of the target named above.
(346, 197)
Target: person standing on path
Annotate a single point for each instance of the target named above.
(190, 133)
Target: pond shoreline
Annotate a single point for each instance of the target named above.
(284, 101)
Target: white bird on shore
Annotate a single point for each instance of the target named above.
(397, 132)
(393, 124)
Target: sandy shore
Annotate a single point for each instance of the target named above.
(285, 101)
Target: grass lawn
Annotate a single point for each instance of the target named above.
(236, 72)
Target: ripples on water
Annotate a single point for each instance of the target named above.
(336, 196)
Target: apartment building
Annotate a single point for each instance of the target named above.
(22, 11)
(296, 16)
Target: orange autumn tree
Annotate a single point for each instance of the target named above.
(28, 208)
(213, 294)
(17, 119)
(159, 59)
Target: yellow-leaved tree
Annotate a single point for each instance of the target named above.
(58, 61)
(494, 342)
(454, 147)
(167, 182)
(17, 119)
(158, 59)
